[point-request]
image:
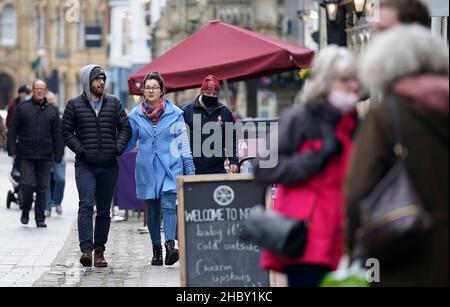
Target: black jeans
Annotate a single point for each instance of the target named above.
(95, 187)
(35, 175)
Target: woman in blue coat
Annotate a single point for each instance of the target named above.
(163, 155)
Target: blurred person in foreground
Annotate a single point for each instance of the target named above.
(401, 12)
(55, 191)
(315, 140)
(409, 67)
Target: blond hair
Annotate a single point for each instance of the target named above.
(330, 63)
(400, 52)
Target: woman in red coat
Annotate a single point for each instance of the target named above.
(314, 143)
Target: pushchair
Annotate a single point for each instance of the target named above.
(14, 196)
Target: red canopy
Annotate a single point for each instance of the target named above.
(229, 52)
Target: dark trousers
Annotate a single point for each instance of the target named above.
(305, 275)
(95, 187)
(35, 175)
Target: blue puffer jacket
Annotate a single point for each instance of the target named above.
(163, 152)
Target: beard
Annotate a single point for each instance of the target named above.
(97, 91)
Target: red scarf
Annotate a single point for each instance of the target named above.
(154, 114)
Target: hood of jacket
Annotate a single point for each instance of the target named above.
(428, 93)
(84, 77)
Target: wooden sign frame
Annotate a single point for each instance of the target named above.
(181, 221)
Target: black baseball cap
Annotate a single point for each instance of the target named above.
(24, 89)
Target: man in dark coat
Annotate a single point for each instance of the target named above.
(207, 110)
(23, 93)
(34, 138)
(96, 128)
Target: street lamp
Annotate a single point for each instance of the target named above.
(359, 7)
(332, 7)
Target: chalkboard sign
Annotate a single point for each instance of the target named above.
(211, 210)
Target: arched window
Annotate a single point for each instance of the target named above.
(8, 25)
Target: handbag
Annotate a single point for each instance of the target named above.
(393, 217)
(275, 232)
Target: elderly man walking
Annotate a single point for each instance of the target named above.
(34, 138)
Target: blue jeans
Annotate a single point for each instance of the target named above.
(167, 204)
(95, 187)
(56, 195)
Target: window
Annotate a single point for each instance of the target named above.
(40, 28)
(148, 12)
(61, 27)
(126, 43)
(8, 26)
(81, 28)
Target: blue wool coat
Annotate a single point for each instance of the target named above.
(163, 152)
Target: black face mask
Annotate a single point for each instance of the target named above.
(210, 102)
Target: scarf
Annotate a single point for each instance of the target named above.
(154, 114)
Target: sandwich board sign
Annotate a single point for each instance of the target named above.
(211, 210)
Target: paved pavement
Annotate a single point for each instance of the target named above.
(49, 257)
(128, 253)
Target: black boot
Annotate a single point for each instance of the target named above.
(172, 254)
(25, 218)
(157, 255)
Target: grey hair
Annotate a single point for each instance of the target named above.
(330, 63)
(401, 52)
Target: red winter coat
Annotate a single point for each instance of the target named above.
(319, 196)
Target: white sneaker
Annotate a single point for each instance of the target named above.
(58, 210)
(47, 213)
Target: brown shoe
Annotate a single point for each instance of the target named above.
(99, 259)
(86, 258)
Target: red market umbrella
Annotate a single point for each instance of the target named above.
(228, 52)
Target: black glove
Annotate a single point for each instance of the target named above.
(331, 146)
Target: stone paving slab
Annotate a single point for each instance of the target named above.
(27, 252)
(128, 253)
(49, 257)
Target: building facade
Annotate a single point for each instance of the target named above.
(182, 18)
(355, 31)
(52, 40)
(130, 42)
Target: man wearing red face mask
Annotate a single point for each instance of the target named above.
(207, 114)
